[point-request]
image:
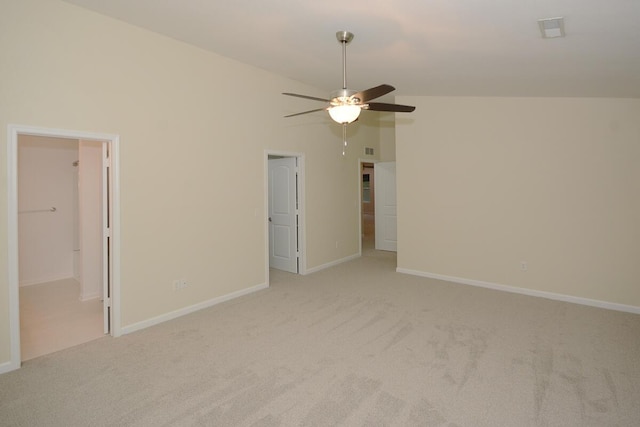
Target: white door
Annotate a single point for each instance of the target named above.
(283, 233)
(385, 206)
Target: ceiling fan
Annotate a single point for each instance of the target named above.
(345, 105)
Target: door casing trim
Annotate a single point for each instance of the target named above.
(13, 131)
(302, 267)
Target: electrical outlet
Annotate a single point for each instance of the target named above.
(179, 284)
(524, 266)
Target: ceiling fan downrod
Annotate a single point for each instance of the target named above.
(344, 37)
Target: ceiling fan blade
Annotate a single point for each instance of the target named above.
(381, 106)
(306, 112)
(373, 93)
(305, 96)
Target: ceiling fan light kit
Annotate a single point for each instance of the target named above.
(345, 105)
(344, 114)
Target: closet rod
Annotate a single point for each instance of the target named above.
(51, 209)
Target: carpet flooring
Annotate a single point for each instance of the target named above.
(354, 345)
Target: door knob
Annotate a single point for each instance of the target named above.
(269, 219)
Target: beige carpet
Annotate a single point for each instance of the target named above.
(354, 345)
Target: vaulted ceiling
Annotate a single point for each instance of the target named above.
(422, 47)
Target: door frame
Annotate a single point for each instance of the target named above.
(302, 267)
(112, 141)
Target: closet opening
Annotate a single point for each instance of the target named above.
(63, 234)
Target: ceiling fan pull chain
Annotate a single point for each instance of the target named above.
(344, 138)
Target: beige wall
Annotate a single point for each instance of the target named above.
(90, 225)
(193, 128)
(388, 136)
(46, 179)
(485, 183)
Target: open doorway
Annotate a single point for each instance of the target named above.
(59, 243)
(367, 206)
(378, 206)
(284, 190)
(62, 238)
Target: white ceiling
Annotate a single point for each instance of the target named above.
(422, 47)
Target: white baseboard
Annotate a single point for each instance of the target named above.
(8, 367)
(330, 264)
(187, 310)
(91, 296)
(45, 280)
(524, 291)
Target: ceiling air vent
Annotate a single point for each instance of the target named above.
(368, 151)
(551, 27)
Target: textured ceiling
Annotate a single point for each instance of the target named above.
(422, 47)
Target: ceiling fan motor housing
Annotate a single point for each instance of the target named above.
(344, 36)
(344, 96)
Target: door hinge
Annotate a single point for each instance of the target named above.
(107, 232)
(107, 302)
